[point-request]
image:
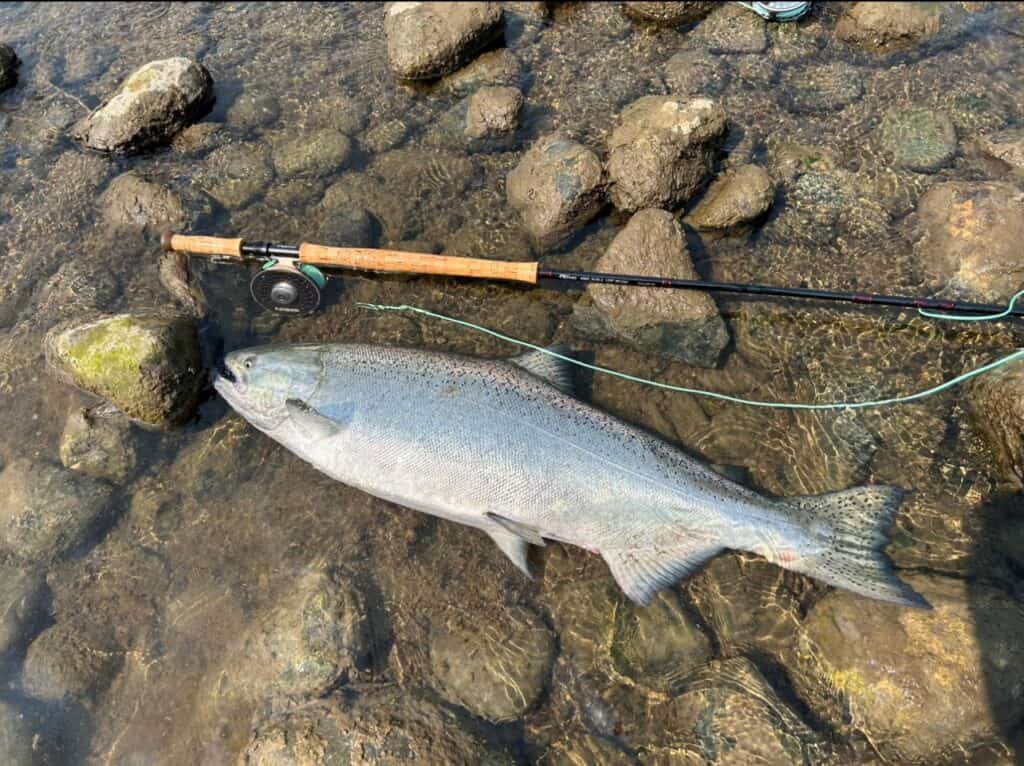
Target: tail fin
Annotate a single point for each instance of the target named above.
(852, 527)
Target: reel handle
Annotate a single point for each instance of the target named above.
(371, 259)
(202, 245)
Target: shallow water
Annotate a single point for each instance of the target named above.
(218, 524)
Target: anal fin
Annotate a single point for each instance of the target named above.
(526, 532)
(513, 546)
(642, 572)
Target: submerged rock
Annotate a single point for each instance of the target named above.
(8, 67)
(147, 365)
(100, 447)
(556, 188)
(348, 228)
(494, 666)
(661, 150)
(46, 510)
(996, 404)
(149, 108)
(884, 26)
(667, 14)
(493, 111)
(695, 73)
(685, 325)
(428, 40)
(728, 713)
(132, 201)
(319, 153)
(821, 88)
(1006, 146)
(499, 67)
(731, 29)
(919, 684)
(175, 273)
(579, 747)
(62, 665)
(381, 727)
(738, 196)
(236, 174)
(19, 738)
(252, 110)
(970, 239)
(22, 597)
(918, 139)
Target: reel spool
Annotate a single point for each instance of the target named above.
(286, 286)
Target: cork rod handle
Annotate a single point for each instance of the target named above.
(204, 245)
(369, 259)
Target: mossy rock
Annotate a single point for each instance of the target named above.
(147, 365)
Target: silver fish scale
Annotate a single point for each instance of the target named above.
(460, 437)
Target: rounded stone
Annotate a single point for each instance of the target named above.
(1006, 146)
(739, 195)
(319, 153)
(147, 365)
(153, 104)
(884, 26)
(427, 40)
(60, 666)
(923, 140)
(917, 683)
(696, 73)
(46, 510)
(100, 447)
(821, 88)
(493, 110)
(251, 110)
(132, 201)
(667, 14)
(236, 174)
(21, 608)
(995, 402)
(495, 667)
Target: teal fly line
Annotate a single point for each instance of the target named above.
(1019, 353)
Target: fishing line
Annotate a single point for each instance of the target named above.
(1019, 353)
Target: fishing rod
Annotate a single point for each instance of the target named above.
(290, 278)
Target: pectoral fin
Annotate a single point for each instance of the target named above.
(314, 424)
(524, 531)
(641, 573)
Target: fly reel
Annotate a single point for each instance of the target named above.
(286, 286)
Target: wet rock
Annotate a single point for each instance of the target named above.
(132, 201)
(728, 713)
(498, 67)
(493, 665)
(661, 150)
(685, 326)
(254, 110)
(349, 228)
(18, 737)
(46, 510)
(8, 67)
(147, 365)
(658, 644)
(493, 111)
(821, 88)
(381, 727)
(200, 137)
(344, 113)
(694, 73)
(428, 40)
(923, 140)
(319, 153)
(98, 446)
(1006, 146)
(885, 26)
(917, 683)
(149, 108)
(738, 196)
(175, 272)
(667, 14)
(996, 405)
(22, 598)
(319, 635)
(556, 188)
(731, 29)
(236, 174)
(62, 665)
(385, 136)
(579, 747)
(970, 239)
(814, 205)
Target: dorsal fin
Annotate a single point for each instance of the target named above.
(550, 369)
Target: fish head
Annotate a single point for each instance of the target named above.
(257, 382)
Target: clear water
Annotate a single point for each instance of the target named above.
(218, 523)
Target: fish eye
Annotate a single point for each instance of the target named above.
(247, 363)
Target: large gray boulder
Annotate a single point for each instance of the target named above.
(46, 510)
(149, 108)
(496, 665)
(970, 239)
(429, 40)
(919, 684)
(661, 151)
(556, 188)
(8, 67)
(147, 365)
(681, 324)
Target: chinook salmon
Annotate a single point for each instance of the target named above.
(503, 446)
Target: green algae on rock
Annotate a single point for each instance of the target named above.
(922, 140)
(147, 365)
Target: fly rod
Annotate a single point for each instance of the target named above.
(290, 278)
